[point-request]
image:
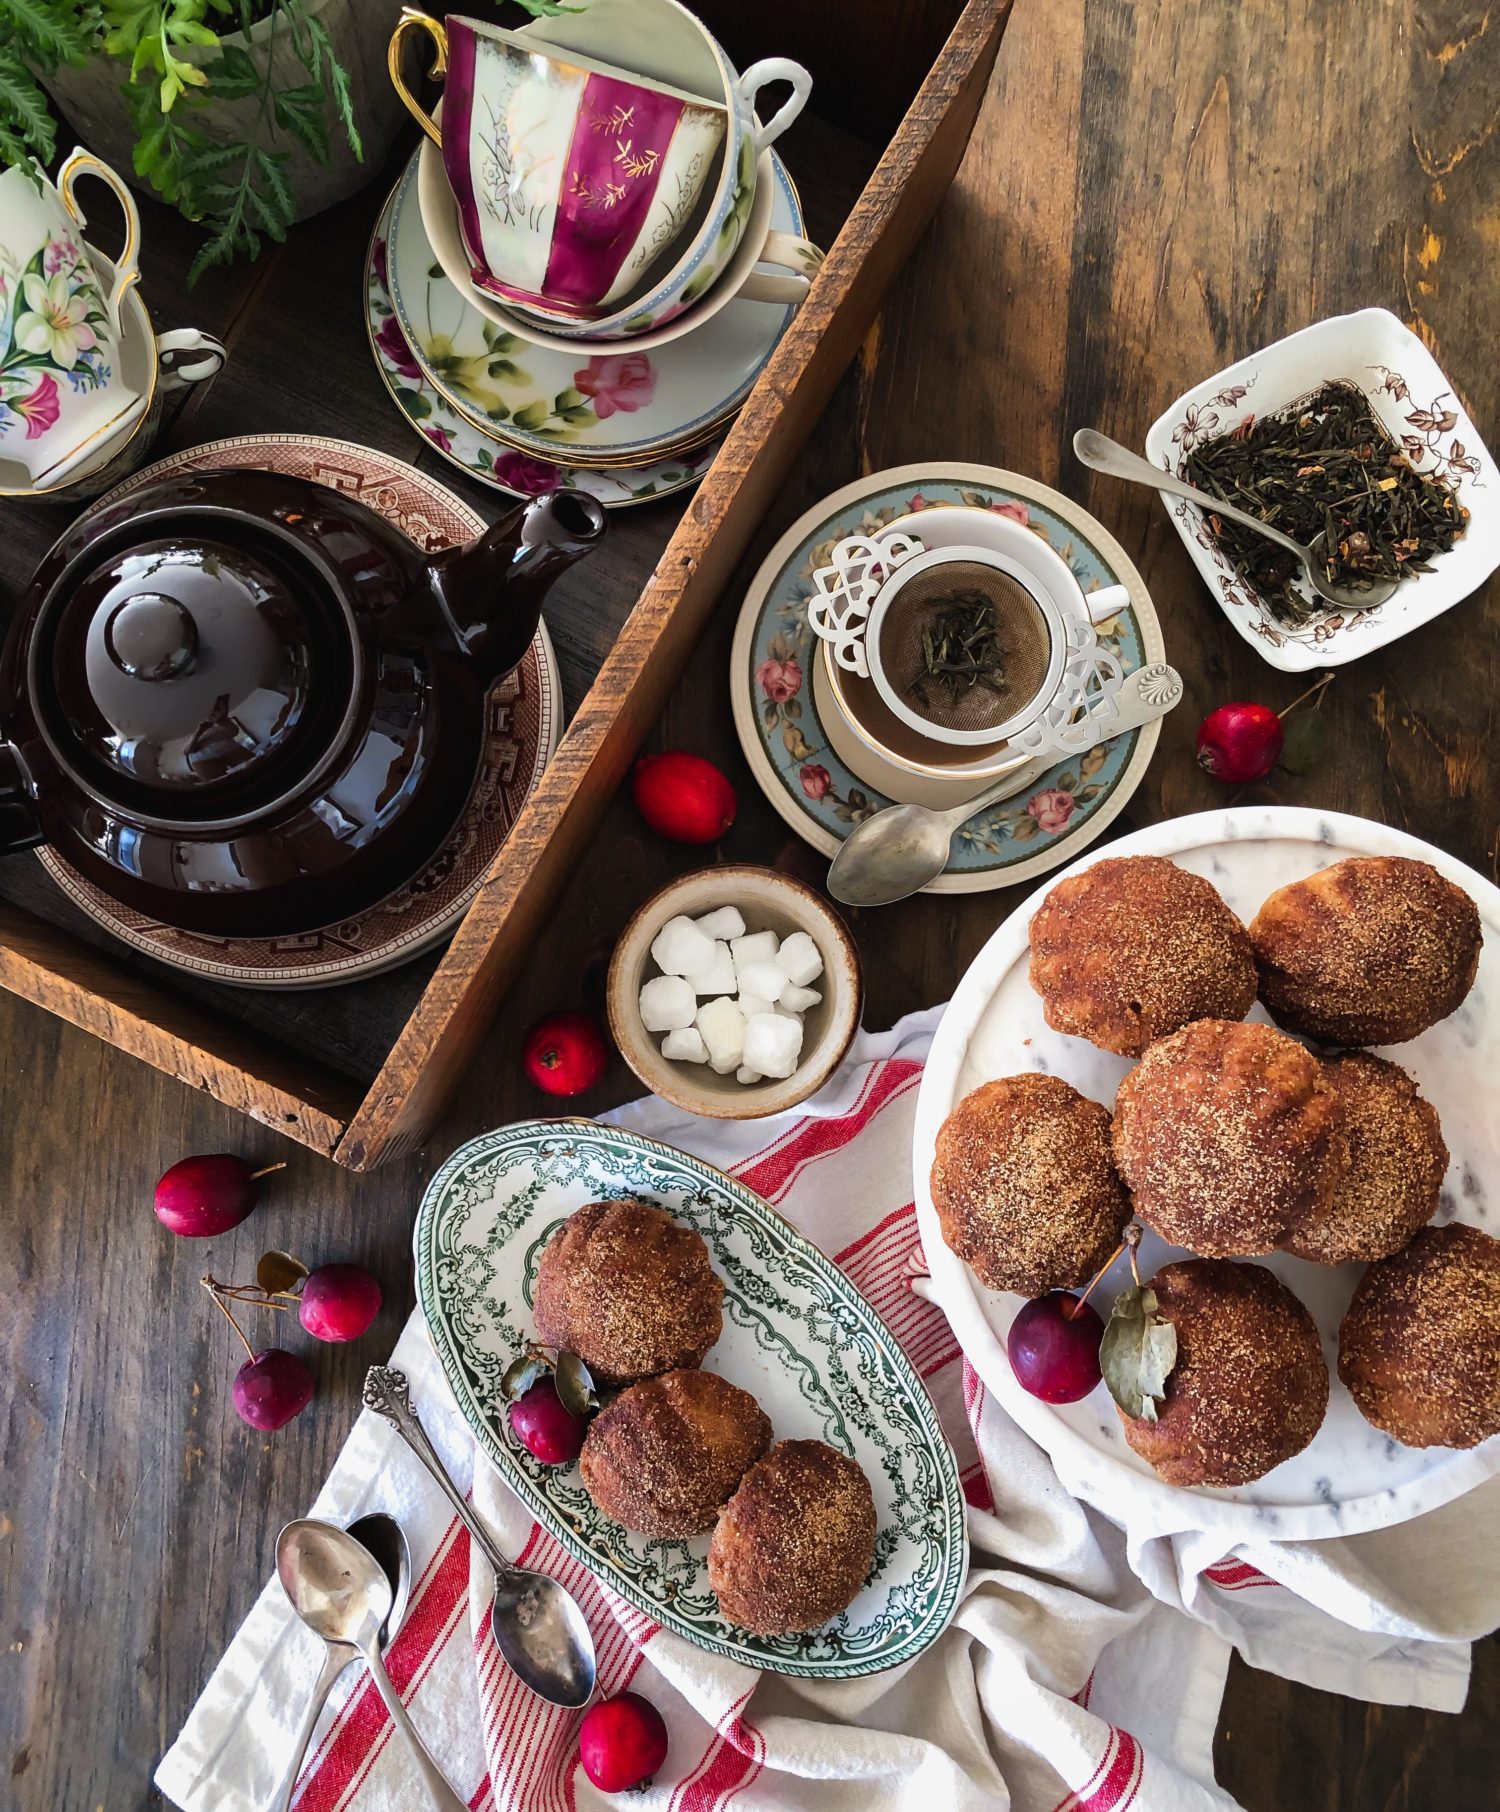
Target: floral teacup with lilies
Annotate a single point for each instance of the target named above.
(62, 392)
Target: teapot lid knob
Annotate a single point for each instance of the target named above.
(151, 637)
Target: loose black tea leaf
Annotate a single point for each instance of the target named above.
(960, 649)
(1137, 1352)
(1327, 466)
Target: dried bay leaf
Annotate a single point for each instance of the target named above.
(1138, 1352)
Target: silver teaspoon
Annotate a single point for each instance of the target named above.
(339, 1590)
(537, 1625)
(1102, 454)
(386, 1540)
(899, 850)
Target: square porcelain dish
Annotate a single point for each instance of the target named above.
(1410, 396)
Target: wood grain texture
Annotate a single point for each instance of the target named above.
(137, 1516)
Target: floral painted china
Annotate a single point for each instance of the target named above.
(777, 707)
(503, 468)
(625, 407)
(523, 723)
(1351, 1477)
(797, 1334)
(1409, 396)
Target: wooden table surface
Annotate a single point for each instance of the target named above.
(1153, 190)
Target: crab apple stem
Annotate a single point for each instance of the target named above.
(1326, 680)
(1077, 1308)
(223, 1308)
(256, 1175)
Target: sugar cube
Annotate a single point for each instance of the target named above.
(798, 1000)
(685, 1046)
(751, 1004)
(768, 980)
(745, 1074)
(668, 1004)
(722, 1025)
(719, 976)
(722, 922)
(680, 948)
(798, 959)
(772, 1044)
(758, 947)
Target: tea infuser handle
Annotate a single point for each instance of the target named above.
(761, 75)
(412, 20)
(1101, 454)
(188, 356)
(127, 266)
(797, 255)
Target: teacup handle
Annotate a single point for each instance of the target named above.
(797, 255)
(1107, 602)
(204, 358)
(761, 75)
(412, 20)
(127, 266)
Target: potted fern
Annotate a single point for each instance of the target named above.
(246, 115)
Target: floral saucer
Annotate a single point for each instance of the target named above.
(524, 723)
(503, 468)
(619, 407)
(776, 710)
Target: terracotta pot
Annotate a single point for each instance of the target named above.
(90, 100)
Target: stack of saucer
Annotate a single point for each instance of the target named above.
(565, 288)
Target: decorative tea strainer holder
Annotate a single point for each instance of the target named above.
(864, 576)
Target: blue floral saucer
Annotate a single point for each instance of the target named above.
(776, 713)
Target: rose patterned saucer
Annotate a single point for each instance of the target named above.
(776, 709)
(503, 468)
(525, 720)
(619, 407)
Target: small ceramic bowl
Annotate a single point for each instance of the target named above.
(1412, 399)
(770, 901)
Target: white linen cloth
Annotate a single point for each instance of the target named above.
(1083, 1671)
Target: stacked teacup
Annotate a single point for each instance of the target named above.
(82, 375)
(598, 184)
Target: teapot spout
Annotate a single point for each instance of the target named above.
(492, 590)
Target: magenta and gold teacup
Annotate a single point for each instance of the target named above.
(572, 178)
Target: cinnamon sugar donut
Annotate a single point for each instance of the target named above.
(1134, 948)
(667, 1454)
(1250, 1385)
(1396, 1163)
(1024, 1186)
(1419, 1348)
(1373, 950)
(629, 1290)
(1229, 1137)
(796, 1542)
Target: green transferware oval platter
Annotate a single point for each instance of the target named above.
(797, 1334)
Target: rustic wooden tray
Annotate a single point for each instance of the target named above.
(362, 1074)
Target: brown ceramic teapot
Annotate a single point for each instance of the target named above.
(246, 705)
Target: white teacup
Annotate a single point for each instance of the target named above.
(62, 388)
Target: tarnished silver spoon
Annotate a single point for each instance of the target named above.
(1102, 454)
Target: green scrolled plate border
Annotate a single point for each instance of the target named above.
(775, 713)
(472, 1327)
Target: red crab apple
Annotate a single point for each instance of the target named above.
(683, 797)
(338, 1302)
(1053, 1346)
(545, 1427)
(565, 1053)
(271, 1387)
(201, 1196)
(622, 1742)
(1240, 743)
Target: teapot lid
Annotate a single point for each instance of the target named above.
(193, 673)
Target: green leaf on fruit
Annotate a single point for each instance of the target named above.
(521, 1374)
(575, 1387)
(1137, 1353)
(278, 1272)
(1306, 742)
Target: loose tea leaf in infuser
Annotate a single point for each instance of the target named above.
(960, 649)
(1327, 466)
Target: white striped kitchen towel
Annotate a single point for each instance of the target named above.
(1083, 1671)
